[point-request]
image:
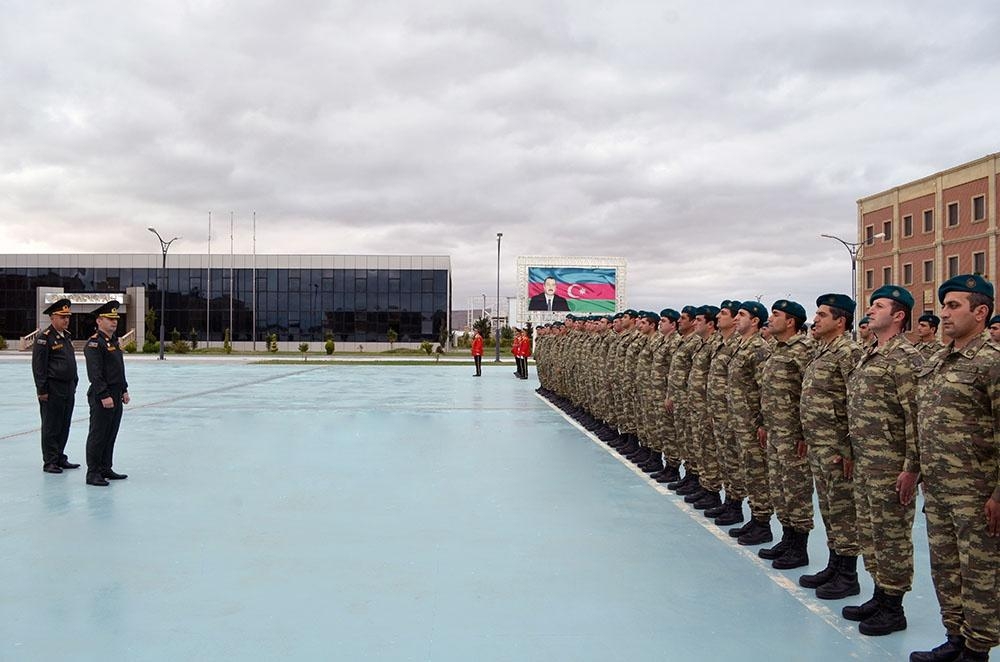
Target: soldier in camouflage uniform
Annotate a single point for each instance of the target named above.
(959, 425)
(994, 328)
(651, 396)
(702, 434)
(680, 368)
(623, 383)
(788, 469)
(726, 448)
(823, 413)
(927, 343)
(865, 335)
(633, 404)
(745, 372)
(662, 356)
(882, 412)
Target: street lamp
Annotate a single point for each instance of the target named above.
(854, 248)
(496, 313)
(164, 246)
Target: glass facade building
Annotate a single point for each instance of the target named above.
(356, 298)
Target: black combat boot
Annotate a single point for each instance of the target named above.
(758, 535)
(888, 619)
(843, 584)
(670, 474)
(823, 576)
(771, 553)
(949, 651)
(639, 456)
(680, 482)
(694, 495)
(717, 510)
(631, 446)
(618, 440)
(969, 655)
(797, 553)
(692, 486)
(733, 514)
(740, 530)
(654, 464)
(709, 500)
(864, 610)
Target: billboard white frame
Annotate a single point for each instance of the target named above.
(537, 317)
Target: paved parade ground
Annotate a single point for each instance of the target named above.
(386, 513)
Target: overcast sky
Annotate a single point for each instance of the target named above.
(709, 144)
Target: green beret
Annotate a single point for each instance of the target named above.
(670, 314)
(732, 305)
(652, 317)
(933, 320)
(698, 310)
(994, 320)
(841, 301)
(894, 292)
(557, 324)
(864, 320)
(630, 312)
(610, 318)
(756, 309)
(616, 316)
(710, 311)
(790, 308)
(972, 283)
(690, 311)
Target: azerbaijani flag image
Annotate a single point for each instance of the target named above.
(584, 290)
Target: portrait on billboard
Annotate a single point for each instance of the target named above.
(572, 289)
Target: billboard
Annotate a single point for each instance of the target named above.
(551, 287)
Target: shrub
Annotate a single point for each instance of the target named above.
(179, 347)
(129, 347)
(304, 347)
(193, 338)
(3, 343)
(426, 346)
(272, 343)
(227, 342)
(150, 347)
(330, 346)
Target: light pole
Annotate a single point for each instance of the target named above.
(496, 313)
(164, 246)
(854, 248)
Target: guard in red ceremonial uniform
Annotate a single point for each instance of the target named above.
(477, 353)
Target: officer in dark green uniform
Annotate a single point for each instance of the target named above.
(54, 366)
(108, 392)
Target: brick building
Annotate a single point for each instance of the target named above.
(932, 229)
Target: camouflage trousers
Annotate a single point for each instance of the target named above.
(791, 482)
(836, 499)
(681, 433)
(754, 462)
(690, 449)
(709, 476)
(965, 566)
(728, 454)
(653, 406)
(668, 437)
(885, 530)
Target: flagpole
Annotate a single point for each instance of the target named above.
(231, 258)
(208, 291)
(253, 243)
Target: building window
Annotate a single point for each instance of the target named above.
(979, 263)
(952, 266)
(886, 275)
(928, 271)
(869, 234)
(952, 214)
(928, 220)
(979, 208)
(907, 274)
(908, 226)
(887, 231)
(869, 279)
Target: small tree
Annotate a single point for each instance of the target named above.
(438, 353)
(129, 346)
(392, 337)
(272, 343)
(426, 346)
(304, 347)
(506, 336)
(227, 342)
(193, 338)
(329, 346)
(484, 327)
(150, 336)
(3, 343)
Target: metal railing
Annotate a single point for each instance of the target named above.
(27, 341)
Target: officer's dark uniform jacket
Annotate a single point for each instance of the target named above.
(105, 366)
(54, 364)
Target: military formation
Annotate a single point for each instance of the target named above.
(53, 363)
(742, 403)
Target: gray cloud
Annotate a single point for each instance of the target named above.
(708, 145)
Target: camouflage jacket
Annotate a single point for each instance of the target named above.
(882, 408)
(781, 387)
(680, 367)
(745, 374)
(701, 362)
(718, 378)
(958, 418)
(823, 404)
